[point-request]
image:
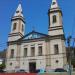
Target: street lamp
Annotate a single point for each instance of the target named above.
(69, 53)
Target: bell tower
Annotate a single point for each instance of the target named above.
(17, 25)
(57, 39)
(55, 20)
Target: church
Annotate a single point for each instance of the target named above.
(36, 50)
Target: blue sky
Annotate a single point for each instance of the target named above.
(35, 12)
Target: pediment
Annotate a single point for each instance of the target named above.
(34, 35)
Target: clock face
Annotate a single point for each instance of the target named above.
(53, 3)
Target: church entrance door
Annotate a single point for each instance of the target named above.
(32, 67)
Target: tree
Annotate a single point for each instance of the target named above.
(2, 66)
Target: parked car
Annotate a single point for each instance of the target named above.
(50, 70)
(40, 71)
(37, 71)
(60, 70)
(21, 71)
(2, 71)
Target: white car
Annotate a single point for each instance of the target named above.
(21, 71)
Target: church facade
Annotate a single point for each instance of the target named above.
(36, 50)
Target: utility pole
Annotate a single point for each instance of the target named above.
(69, 53)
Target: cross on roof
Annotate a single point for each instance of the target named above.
(20, 1)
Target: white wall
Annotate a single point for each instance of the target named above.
(60, 57)
(23, 62)
(40, 60)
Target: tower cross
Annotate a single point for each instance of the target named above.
(33, 28)
(20, 1)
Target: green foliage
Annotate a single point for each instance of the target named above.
(2, 66)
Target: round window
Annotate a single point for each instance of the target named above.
(57, 61)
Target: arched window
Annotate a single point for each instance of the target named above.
(14, 26)
(54, 19)
(22, 28)
(25, 52)
(40, 50)
(56, 49)
(12, 53)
